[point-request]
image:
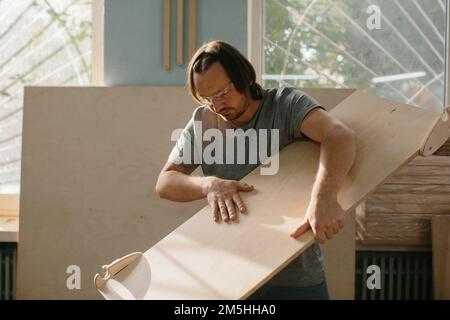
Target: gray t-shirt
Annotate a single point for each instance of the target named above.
(283, 109)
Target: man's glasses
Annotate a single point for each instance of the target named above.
(218, 96)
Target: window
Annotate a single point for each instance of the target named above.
(42, 42)
(391, 48)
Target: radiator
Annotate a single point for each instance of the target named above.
(8, 254)
(404, 275)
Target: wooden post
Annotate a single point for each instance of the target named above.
(192, 27)
(180, 7)
(166, 35)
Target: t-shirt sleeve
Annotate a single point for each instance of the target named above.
(299, 104)
(183, 150)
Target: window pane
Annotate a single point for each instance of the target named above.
(325, 43)
(42, 42)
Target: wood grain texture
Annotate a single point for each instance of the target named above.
(180, 32)
(420, 189)
(166, 35)
(91, 158)
(194, 261)
(9, 205)
(192, 27)
(441, 257)
(9, 218)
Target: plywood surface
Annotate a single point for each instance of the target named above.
(91, 157)
(200, 260)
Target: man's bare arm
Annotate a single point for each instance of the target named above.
(337, 152)
(176, 183)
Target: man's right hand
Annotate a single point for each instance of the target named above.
(223, 198)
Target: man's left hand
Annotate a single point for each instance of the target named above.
(325, 217)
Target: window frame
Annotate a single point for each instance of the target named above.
(97, 61)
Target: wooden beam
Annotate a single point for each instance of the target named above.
(192, 27)
(166, 35)
(440, 226)
(180, 32)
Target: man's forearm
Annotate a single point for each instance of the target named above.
(177, 186)
(337, 154)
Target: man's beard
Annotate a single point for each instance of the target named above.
(242, 111)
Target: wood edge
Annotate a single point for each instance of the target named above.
(180, 35)
(192, 27)
(437, 136)
(166, 35)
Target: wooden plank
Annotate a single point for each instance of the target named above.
(9, 229)
(419, 179)
(441, 254)
(166, 34)
(193, 261)
(413, 189)
(94, 155)
(192, 27)
(418, 198)
(180, 32)
(430, 161)
(411, 243)
(407, 208)
(9, 205)
(394, 229)
(426, 171)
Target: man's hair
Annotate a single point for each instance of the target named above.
(238, 68)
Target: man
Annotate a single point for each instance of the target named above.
(224, 81)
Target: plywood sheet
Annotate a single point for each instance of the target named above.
(200, 260)
(91, 157)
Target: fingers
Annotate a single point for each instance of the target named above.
(329, 233)
(242, 186)
(320, 237)
(223, 210)
(227, 209)
(226, 202)
(301, 230)
(239, 203)
(215, 211)
(231, 209)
